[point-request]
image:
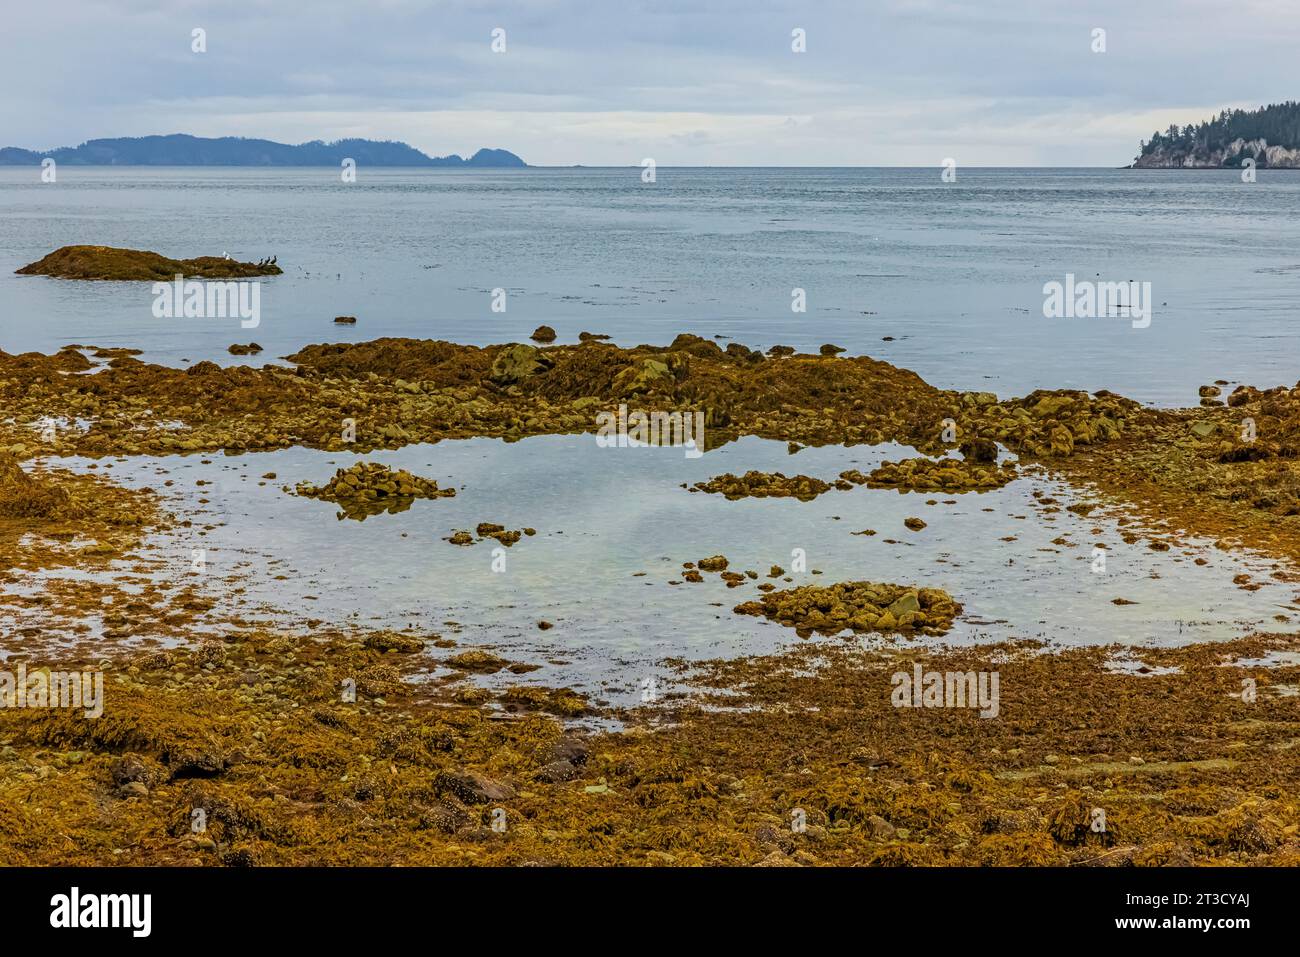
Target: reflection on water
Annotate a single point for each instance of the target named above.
(614, 527)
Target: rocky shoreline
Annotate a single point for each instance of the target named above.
(339, 747)
(1218, 469)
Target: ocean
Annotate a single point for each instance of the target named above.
(946, 279)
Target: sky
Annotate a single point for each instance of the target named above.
(684, 82)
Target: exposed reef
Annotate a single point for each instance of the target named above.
(108, 262)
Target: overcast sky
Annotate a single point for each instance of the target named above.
(687, 82)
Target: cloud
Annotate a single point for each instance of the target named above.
(995, 82)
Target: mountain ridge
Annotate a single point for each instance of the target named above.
(183, 149)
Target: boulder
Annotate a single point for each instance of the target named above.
(517, 362)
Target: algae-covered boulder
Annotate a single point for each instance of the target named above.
(643, 376)
(518, 361)
(1051, 406)
(979, 450)
(472, 788)
(1062, 441)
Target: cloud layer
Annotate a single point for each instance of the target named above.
(890, 82)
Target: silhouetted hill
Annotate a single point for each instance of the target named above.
(183, 150)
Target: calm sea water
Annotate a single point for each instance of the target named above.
(954, 273)
(613, 529)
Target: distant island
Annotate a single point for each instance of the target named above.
(183, 150)
(1270, 136)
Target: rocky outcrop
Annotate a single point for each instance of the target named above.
(1231, 155)
(109, 262)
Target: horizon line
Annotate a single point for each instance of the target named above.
(636, 166)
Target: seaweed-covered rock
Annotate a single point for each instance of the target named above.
(644, 376)
(980, 450)
(472, 788)
(394, 641)
(755, 484)
(517, 362)
(22, 496)
(857, 606)
(369, 488)
(478, 660)
(109, 262)
(946, 475)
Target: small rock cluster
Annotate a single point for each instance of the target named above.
(941, 475)
(505, 536)
(763, 485)
(859, 606)
(369, 488)
(719, 564)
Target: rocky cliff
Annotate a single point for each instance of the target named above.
(1231, 155)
